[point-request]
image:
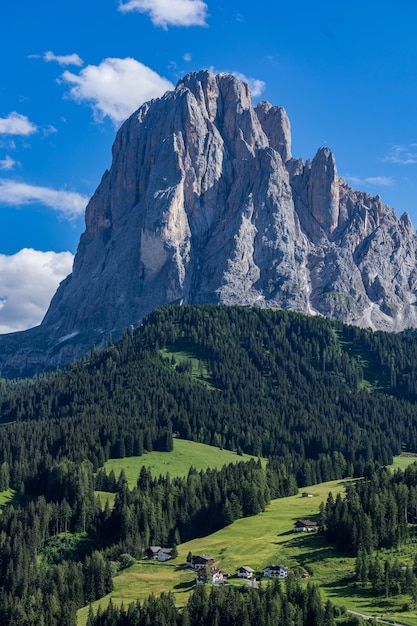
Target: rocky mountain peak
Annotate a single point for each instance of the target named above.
(323, 190)
(204, 203)
(276, 126)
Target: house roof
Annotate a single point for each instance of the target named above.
(155, 549)
(202, 572)
(276, 567)
(305, 522)
(203, 557)
(246, 568)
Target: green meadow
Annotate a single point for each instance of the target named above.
(185, 454)
(6, 497)
(106, 495)
(402, 461)
(258, 541)
(255, 541)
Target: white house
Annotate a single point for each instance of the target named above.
(209, 575)
(304, 525)
(276, 571)
(245, 572)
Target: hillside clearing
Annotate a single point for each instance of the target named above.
(185, 454)
(259, 541)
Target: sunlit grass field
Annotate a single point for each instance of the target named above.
(6, 497)
(185, 454)
(402, 461)
(259, 541)
(255, 541)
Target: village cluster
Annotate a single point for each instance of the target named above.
(206, 571)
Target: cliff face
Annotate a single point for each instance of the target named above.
(204, 203)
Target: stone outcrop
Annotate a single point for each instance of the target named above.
(204, 203)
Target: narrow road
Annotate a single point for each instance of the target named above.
(380, 620)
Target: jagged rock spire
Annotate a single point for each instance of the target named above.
(203, 203)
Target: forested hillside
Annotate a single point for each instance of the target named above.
(321, 400)
(281, 384)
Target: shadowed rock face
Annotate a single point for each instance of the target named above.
(204, 203)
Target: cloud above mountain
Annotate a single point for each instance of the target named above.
(28, 280)
(116, 87)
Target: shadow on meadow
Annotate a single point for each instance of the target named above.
(365, 599)
(310, 548)
(185, 586)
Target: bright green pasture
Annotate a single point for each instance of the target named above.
(268, 538)
(185, 454)
(402, 461)
(6, 497)
(255, 541)
(258, 541)
(139, 581)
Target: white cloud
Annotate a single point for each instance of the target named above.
(66, 59)
(49, 130)
(169, 12)
(16, 124)
(382, 181)
(256, 86)
(116, 87)
(28, 280)
(385, 181)
(7, 163)
(402, 155)
(69, 203)
(187, 57)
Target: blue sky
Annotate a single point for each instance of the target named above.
(71, 72)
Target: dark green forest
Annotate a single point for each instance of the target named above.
(319, 399)
(269, 605)
(378, 512)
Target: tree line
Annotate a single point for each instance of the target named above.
(376, 512)
(283, 384)
(226, 606)
(379, 511)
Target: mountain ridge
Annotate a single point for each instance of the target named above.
(204, 203)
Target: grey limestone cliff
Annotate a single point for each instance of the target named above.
(204, 203)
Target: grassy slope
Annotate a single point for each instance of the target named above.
(258, 541)
(402, 461)
(255, 541)
(6, 496)
(186, 454)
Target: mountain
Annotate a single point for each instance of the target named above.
(204, 203)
